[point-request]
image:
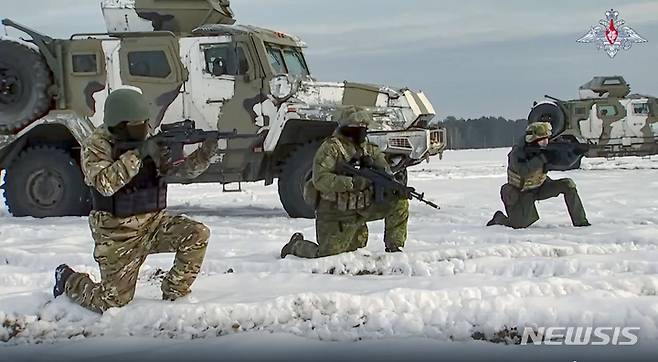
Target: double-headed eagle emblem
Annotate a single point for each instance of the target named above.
(611, 35)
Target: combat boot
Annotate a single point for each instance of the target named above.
(288, 248)
(62, 274)
(498, 219)
(392, 249)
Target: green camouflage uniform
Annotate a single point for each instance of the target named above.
(527, 182)
(122, 244)
(343, 209)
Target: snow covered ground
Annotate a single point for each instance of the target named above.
(456, 277)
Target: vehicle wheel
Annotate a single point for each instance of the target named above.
(296, 171)
(24, 82)
(548, 112)
(46, 181)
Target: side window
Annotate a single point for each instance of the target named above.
(84, 63)
(276, 60)
(612, 81)
(225, 59)
(607, 110)
(641, 108)
(151, 63)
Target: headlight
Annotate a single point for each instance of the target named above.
(282, 87)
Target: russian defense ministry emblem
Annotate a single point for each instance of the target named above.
(611, 35)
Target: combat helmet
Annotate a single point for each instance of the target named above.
(125, 105)
(537, 131)
(353, 116)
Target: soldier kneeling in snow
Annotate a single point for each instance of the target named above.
(344, 203)
(528, 182)
(129, 221)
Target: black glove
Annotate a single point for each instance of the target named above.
(367, 162)
(160, 154)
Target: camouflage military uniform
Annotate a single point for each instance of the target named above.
(346, 204)
(528, 182)
(123, 243)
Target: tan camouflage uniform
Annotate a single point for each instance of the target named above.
(344, 209)
(122, 244)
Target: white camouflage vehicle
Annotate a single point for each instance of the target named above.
(191, 62)
(605, 121)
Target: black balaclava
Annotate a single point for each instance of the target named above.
(355, 134)
(127, 132)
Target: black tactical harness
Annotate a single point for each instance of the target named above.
(146, 192)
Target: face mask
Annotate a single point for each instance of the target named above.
(138, 132)
(131, 132)
(355, 134)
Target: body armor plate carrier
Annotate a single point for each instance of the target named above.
(146, 192)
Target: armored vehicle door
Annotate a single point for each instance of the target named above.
(222, 80)
(153, 64)
(606, 120)
(85, 75)
(637, 120)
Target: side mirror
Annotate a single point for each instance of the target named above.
(218, 67)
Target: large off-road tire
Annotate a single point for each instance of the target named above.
(295, 172)
(24, 82)
(46, 181)
(549, 112)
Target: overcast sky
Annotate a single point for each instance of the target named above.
(471, 57)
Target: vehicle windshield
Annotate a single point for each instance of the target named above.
(287, 60)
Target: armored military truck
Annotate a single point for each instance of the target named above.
(605, 121)
(192, 62)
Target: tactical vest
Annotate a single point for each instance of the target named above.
(145, 193)
(533, 181)
(349, 200)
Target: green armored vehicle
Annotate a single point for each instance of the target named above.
(191, 62)
(606, 121)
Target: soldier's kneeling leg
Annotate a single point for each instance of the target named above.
(567, 187)
(395, 212)
(119, 261)
(336, 236)
(395, 223)
(519, 206)
(189, 240)
(360, 238)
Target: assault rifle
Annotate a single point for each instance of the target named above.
(174, 136)
(383, 182)
(561, 156)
